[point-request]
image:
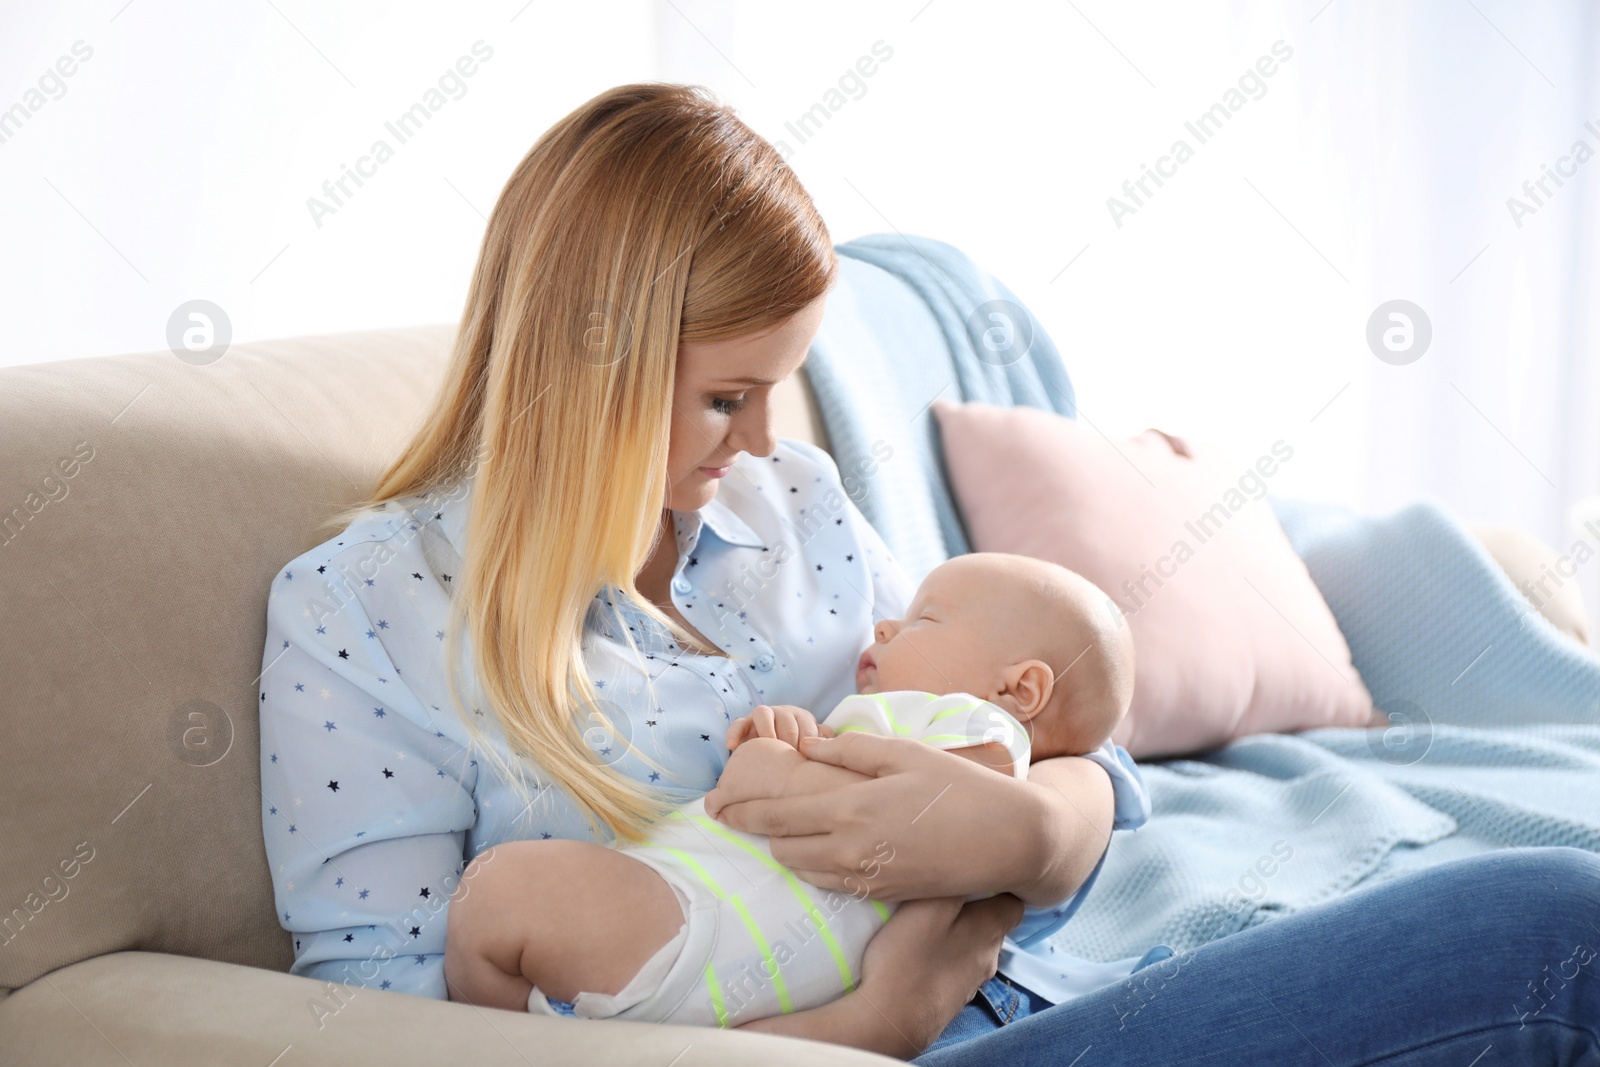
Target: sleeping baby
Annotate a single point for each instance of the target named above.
(1001, 659)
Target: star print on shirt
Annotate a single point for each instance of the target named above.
(802, 619)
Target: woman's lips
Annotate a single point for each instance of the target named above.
(716, 472)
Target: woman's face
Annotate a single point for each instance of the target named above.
(721, 403)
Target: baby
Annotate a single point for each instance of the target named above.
(700, 925)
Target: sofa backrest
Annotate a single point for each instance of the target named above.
(145, 503)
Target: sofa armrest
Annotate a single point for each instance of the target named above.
(150, 1007)
(1536, 570)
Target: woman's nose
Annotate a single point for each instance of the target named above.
(752, 430)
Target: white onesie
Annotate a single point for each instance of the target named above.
(757, 940)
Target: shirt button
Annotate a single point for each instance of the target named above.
(763, 662)
(681, 584)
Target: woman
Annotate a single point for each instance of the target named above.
(594, 555)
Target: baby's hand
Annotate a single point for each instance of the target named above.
(784, 721)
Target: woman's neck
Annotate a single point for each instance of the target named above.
(655, 577)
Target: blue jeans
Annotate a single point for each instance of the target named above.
(1484, 961)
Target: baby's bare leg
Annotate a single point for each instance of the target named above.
(566, 916)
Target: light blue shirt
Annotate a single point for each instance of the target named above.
(373, 802)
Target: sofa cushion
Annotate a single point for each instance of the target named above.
(1232, 636)
(144, 1007)
(144, 504)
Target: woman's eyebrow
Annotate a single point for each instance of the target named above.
(751, 380)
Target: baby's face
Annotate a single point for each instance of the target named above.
(953, 638)
(1037, 639)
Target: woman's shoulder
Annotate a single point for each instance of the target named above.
(339, 568)
(385, 522)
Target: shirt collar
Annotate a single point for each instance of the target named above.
(453, 504)
(721, 520)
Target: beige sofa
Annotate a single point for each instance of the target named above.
(144, 505)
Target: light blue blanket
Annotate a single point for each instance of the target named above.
(1495, 742)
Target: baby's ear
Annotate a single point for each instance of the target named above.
(1028, 685)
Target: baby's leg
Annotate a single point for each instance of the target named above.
(566, 916)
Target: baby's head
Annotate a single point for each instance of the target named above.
(1033, 637)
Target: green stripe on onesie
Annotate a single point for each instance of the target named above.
(762, 940)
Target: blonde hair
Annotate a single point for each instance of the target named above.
(648, 217)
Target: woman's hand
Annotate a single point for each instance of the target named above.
(918, 972)
(931, 824)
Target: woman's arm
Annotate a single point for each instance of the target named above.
(953, 827)
(918, 972)
(364, 809)
(1076, 829)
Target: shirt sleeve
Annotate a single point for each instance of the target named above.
(365, 805)
(1132, 800)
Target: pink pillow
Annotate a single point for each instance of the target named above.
(1232, 638)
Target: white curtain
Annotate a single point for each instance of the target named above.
(1373, 164)
(1469, 135)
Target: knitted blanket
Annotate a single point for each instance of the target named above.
(1495, 739)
